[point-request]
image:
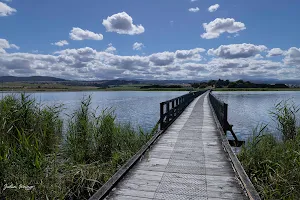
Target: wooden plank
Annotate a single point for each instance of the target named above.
(227, 195)
(251, 192)
(123, 197)
(134, 193)
(145, 175)
(139, 184)
(108, 186)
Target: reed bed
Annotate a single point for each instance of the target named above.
(41, 160)
(272, 163)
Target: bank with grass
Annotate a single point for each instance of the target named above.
(39, 159)
(272, 161)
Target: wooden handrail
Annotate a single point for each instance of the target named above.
(243, 177)
(221, 111)
(171, 109)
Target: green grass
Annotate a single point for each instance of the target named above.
(34, 155)
(50, 87)
(138, 88)
(37, 87)
(273, 164)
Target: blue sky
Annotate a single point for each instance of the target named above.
(150, 39)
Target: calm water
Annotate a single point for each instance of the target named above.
(138, 108)
(248, 109)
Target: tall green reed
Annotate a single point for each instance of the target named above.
(285, 115)
(274, 165)
(29, 133)
(33, 154)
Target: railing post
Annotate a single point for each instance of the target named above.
(173, 109)
(225, 117)
(167, 112)
(162, 116)
(177, 107)
(180, 104)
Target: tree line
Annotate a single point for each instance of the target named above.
(235, 84)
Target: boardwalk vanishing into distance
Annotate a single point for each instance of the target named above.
(187, 161)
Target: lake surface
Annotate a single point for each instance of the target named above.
(247, 109)
(138, 108)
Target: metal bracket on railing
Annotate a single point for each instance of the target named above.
(235, 142)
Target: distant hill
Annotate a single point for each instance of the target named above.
(119, 82)
(30, 79)
(129, 81)
(166, 82)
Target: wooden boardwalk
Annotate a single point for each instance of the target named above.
(187, 162)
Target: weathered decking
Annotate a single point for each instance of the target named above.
(187, 162)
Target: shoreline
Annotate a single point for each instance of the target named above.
(255, 89)
(148, 90)
(93, 90)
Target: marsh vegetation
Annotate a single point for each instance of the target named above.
(39, 159)
(273, 163)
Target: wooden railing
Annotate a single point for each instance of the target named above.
(171, 109)
(221, 111)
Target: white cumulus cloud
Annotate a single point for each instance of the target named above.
(194, 9)
(137, 46)
(221, 25)
(162, 59)
(122, 23)
(4, 44)
(61, 43)
(245, 68)
(292, 57)
(189, 54)
(213, 8)
(110, 49)
(258, 56)
(275, 52)
(236, 61)
(80, 34)
(237, 50)
(5, 10)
